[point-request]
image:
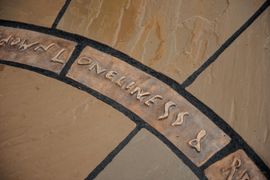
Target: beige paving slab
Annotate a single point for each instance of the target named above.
(38, 12)
(237, 86)
(50, 130)
(234, 166)
(174, 36)
(144, 158)
(154, 101)
(34, 48)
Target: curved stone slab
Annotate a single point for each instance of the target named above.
(154, 101)
(235, 166)
(35, 49)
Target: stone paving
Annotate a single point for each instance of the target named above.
(134, 90)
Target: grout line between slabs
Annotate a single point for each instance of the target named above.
(113, 154)
(60, 14)
(75, 54)
(189, 80)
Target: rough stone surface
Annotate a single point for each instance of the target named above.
(144, 158)
(237, 86)
(174, 36)
(233, 167)
(49, 130)
(41, 12)
(112, 77)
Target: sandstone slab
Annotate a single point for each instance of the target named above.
(144, 158)
(41, 12)
(49, 130)
(173, 37)
(237, 86)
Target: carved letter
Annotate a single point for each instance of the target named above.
(140, 93)
(196, 143)
(15, 41)
(56, 57)
(84, 60)
(168, 105)
(180, 118)
(24, 46)
(130, 85)
(119, 82)
(236, 164)
(152, 100)
(44, 48)
(97, 68)
(111, 74)
(244, 176)
(5, 40)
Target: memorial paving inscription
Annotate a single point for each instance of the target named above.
(155, 102)
(236, 166)
(35, 49)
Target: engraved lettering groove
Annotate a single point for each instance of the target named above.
(57, 59)
(121, 81)
(167, 107)
(180, 118)
(15, 43)
(236, 164)
(44, 48)
(141, 95)
(196, 143)
(152, 100)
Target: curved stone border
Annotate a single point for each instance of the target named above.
(156, 103)
(234, 166)
(160, 106)
(237, 141)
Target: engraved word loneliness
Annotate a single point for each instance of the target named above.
(147, 98)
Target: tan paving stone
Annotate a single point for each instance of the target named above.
(50, 130)
(38, 12)
(174, 37)
(234, 166)
(155, 102)
(237, 86)
(144, 158)
(35, 49)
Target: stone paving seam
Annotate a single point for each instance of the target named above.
(190, 79)
(60, 14)
(113, 153)
(77, 51)
(198, 171)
